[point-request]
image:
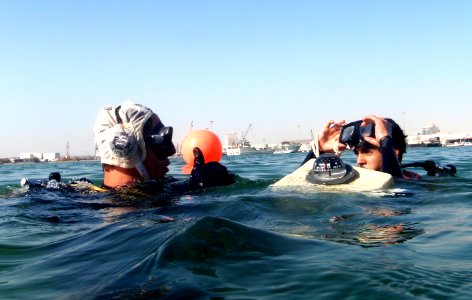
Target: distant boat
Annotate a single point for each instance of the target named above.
(287, 147)
(246, 150)
(431, 142)
(455, 144)
(459, 143)
(234, 146)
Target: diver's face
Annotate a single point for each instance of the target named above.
(157, 168)
(369, 158)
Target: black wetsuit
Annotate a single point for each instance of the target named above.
(390, 163)
(203, 175)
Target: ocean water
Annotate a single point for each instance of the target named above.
(244, 241)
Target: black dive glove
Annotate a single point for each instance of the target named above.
(436, 169)
(208, 174)
(432, 168)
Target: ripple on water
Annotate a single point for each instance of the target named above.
(244, 241)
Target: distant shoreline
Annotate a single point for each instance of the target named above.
(48, 162)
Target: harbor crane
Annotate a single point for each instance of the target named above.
(245, 133)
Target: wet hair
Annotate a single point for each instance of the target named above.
(398, 137)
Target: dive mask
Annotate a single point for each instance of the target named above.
(161, 141)
(353, 134)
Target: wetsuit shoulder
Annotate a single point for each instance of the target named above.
(390, 163)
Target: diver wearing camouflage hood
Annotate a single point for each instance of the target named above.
(134, 146)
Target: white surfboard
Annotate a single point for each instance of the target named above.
(365, 180)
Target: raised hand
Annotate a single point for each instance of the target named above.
(209, 174)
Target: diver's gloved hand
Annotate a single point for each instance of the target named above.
(430, 167)
(210, 174)
(434, 169)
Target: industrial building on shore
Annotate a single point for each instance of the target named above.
(432, 136)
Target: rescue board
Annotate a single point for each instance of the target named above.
(363, 180)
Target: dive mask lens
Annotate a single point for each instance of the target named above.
(353, 134)
(161, 142)
(350, 134)
(367, 130)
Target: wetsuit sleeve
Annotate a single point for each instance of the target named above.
(209, 174)
(390, 163)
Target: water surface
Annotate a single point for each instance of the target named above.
(245, 241)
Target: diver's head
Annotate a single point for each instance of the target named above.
(398, 137)
(132, 143)
(368, 155)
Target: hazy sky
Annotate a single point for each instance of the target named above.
(283, 66)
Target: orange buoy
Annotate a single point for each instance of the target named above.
(207, 141)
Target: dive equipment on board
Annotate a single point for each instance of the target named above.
(330, 169)
(362, 180)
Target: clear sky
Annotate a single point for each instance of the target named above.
(283, 66)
